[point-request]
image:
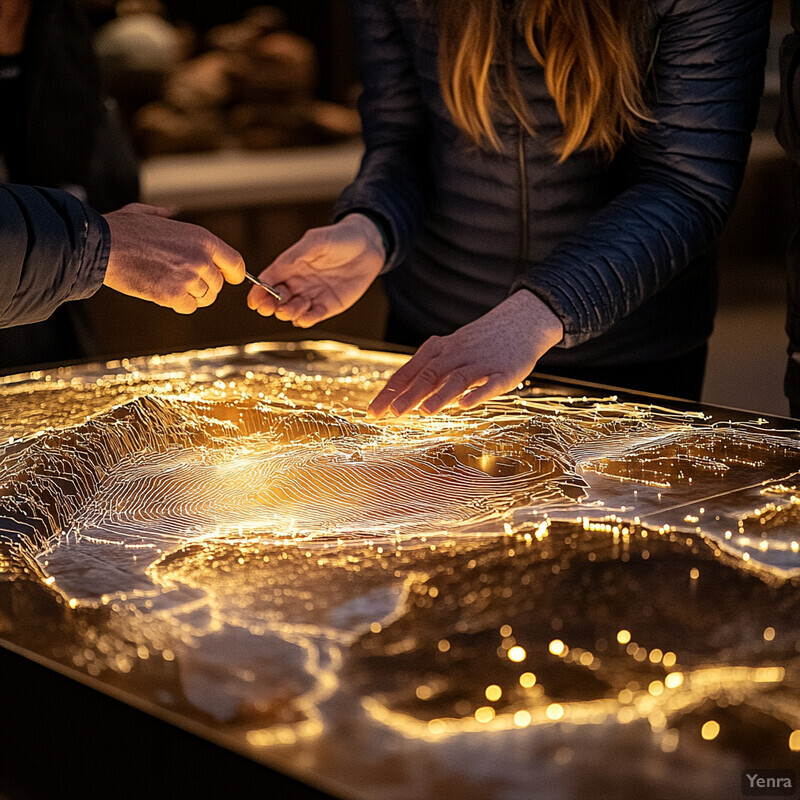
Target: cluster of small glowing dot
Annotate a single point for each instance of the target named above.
(557, 647)
(605, 527)
(655, 656)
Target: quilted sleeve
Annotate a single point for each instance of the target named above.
(53, 248)
(686, 169)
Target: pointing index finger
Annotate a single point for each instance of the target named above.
(394, 387)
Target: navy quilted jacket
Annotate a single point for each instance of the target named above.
(619, 251)
(53, 248)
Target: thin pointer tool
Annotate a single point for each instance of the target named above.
(265, 286)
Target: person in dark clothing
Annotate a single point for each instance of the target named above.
(543, 184)
(57, 130)
(788, 132)
(55, 248)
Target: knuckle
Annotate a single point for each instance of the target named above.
(429, 374)
(431, 345)
(460, 378)
(312, 237)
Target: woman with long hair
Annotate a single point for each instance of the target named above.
(543, 184)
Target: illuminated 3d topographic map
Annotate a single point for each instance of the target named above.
(558, 589)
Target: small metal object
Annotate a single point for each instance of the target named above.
(265, 286)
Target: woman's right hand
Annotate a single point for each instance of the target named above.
(323, 274)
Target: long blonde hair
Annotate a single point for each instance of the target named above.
(587, 49)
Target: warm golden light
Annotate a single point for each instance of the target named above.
(669, 741)
(517, 654)
(233, 521)
(522, 719)
(493, 693)
(527, 680)
(557, 647)
(673, 680)
(710, 730)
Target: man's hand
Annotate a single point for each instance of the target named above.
(475, 363)
(323, 274)
(171, 263)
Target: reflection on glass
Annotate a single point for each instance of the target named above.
(587, 581)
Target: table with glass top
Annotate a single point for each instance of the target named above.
(566, 592)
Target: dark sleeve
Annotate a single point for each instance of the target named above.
(53, 248)
(394, 129)
(787, 127)
(687, 167)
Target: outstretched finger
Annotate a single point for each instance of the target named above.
(292, 308)
(402, 395)
(454, 386)
(263, 302)
(392, 388)
(398, 382)
(494, 386)
(316, 313)
(425, 383)
(186, 304)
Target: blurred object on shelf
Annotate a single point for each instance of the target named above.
(137, 51)
(252, 84)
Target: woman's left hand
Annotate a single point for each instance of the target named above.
(475, 363)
